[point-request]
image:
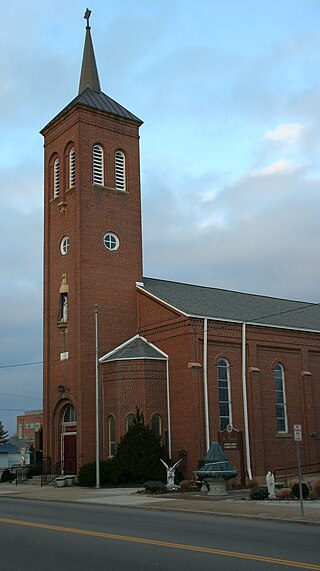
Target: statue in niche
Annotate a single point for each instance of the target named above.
(64, 308)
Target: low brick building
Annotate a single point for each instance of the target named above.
(29, 425)
(199, 362)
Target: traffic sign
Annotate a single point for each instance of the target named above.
(297, 432)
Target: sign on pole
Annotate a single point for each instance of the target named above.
(298, 438)
(297, 432)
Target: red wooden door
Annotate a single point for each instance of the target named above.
(70, 453)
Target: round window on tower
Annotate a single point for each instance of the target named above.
(111, 241)
(65, 245)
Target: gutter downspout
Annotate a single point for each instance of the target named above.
(205, 382)
(245, 402)
(168, 407)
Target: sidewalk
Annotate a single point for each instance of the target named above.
(236, 504)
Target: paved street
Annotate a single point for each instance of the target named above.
(86, 533)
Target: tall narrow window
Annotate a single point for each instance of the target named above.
(72, 168)
(56, 178)
(156, 425)
(120, 166)
(224, 394)
(111, 430)
(98, 170)
(280, 398)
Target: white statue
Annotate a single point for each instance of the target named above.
(271, 485)
(65, 309)
(170, 474)
(23, 456)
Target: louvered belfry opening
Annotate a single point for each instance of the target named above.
(98, 171)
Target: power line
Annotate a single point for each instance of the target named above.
(21, 364)
(22, 396)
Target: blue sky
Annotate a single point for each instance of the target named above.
(229, 94)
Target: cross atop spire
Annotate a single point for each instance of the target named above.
(87, 17)
(89, 73)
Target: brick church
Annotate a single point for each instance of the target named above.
(202, 364)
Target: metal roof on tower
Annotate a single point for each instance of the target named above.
(90, 94)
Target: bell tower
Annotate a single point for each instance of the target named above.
(92, 255)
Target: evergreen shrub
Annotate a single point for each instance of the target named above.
(296, 491)
(259, 493)
(6, 476)
(155, 487)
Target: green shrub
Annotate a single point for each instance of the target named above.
(6, 476)
(155, 487)
(296, 491)
(137, 458)
(87, 474)
(259, 493)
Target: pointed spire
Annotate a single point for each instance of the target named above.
(89, 74)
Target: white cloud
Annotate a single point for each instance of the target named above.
(277, 168)
(288, 133)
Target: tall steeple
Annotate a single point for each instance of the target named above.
(89, 73)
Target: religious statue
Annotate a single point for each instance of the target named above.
(23, 456)
(170, 473)
(65, 309)
(271, 485)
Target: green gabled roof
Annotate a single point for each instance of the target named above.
(215, 303)
(133, 349)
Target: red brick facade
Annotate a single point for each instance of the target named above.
(91, 275)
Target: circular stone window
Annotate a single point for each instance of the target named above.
(111, 241)
(65, 245)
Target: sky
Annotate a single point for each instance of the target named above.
(229, 93)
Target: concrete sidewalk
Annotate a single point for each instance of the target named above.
(236, 504)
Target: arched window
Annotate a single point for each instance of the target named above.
(129, 421)
(56, 178)
(280, 398)
(98, 170)
(120, 170)
(69, 414)
(224, 394)
(156, 425)
(72, 167)
(111, 432)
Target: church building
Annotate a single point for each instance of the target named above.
(202, 364)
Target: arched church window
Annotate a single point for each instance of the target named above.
(224, 394)
(72, 167)
(120, 170)
(56, 178)
(280, 398)
(111, 431)
(156, 425)
(129, 421)
(69, 414)
(98, 169)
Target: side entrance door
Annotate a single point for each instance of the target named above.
(70, 453)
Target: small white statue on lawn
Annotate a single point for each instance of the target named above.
(271, 485)
(170, 474)
(23, 456)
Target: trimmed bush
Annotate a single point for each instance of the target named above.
(284, 493)
(259, 493)
(155, 487)
(315, 489)
(296, 492)
(87, 474)
(6, 476)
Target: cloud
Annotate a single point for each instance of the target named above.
(279, 167)
(288, 134)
